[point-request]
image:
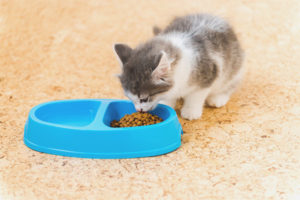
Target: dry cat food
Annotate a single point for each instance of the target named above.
(136, 119)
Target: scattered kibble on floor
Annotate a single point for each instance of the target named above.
(136, 119)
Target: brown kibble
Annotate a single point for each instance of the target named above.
(136, 119)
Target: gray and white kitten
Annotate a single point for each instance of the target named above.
(196, 57)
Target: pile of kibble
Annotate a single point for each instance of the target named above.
(136, 119)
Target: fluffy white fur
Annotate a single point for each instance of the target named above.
(195, 97)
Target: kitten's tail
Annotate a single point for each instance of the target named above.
(156, 30)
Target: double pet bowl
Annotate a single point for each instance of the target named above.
(81, 128)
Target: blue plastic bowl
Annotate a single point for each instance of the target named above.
(81, 128)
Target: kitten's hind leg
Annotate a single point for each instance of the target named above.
(193, 104)
(217, 100)
(220, 98)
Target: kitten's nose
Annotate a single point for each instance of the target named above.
(139, 110)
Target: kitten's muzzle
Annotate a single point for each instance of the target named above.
(140, 110)
(144, 107)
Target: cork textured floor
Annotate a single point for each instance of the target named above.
(249, 149)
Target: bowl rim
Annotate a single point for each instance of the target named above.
(32, 115)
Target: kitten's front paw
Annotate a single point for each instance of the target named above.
(190, 113)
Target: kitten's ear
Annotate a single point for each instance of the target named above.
(160, 73)
(117, 76)
(123, 52)
(156, 30)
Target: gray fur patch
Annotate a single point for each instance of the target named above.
(136, 76)
(205, 73)
(209, 34)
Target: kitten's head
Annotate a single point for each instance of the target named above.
(146, 73)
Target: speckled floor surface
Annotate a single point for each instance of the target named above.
(249, 149)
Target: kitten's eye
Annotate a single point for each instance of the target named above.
(144, 100)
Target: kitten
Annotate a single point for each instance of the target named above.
(197, 58)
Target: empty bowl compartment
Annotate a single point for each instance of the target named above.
(69, 113)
